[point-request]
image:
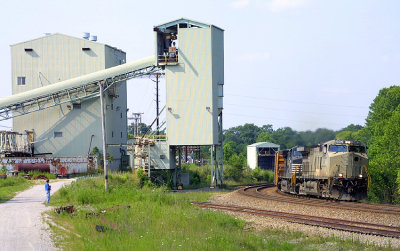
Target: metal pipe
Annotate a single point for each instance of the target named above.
(212, 166)
(90, 144)
(157, 105)
(103, 130)
(149, 157)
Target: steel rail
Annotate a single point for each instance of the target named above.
(338, 224)
(382, 209)
(356, 204)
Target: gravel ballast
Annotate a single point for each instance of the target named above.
(260, 223)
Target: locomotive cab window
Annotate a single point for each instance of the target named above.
(296, 153)
(357, 149)
(337, 148)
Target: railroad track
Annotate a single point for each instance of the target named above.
(338, 224)
(261, 191)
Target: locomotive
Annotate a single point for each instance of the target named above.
(336, 169)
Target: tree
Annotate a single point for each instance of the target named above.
(352, 128)
(285, 137)
(143, 128)
(383, 134)
(264, 136)
(229, 150)
(235, 171)
(350, 132)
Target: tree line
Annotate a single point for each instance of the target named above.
(381, 133)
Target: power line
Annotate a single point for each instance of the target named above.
(294, 101)
(298, 112)
(281, 119)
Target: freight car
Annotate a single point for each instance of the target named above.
(336, 169)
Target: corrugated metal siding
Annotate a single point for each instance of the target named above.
(252, 157)
(217, 36)
(69, 165)
(116, 107)
(59, 57)
(190, 91)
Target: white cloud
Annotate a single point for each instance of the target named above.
(239, 4)
(280, 5)
(253, 57)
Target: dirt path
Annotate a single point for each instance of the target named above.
(21, 224)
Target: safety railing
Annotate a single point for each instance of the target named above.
(167, 59)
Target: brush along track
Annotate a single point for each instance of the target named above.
(270, 192)
(338, 224)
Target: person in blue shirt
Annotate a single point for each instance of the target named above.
(47, 188)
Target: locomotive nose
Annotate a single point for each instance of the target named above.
(358, 162)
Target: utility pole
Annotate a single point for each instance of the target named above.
(157, 104)
(103, 129)
(137, 117)
(158, 75)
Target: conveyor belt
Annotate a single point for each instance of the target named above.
(80, 88)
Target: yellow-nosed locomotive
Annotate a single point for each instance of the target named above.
(336, 169)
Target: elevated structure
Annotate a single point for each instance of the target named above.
(193, 56)
(262, 154)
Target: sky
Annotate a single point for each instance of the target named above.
(305, 64)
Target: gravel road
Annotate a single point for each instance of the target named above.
(21, 223)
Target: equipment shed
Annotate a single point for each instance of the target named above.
(262, 154)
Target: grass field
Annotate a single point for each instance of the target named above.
(10, 186)
(132, 218)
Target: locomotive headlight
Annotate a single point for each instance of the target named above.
(360, 175)
(341, 175)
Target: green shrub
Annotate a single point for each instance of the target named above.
(3, 170)
(198, 175)
(259, 174)
(12, 181)
(10, 186)
(34, 174)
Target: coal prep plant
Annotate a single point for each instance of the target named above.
(69, 96)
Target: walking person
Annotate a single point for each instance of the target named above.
(47, 188)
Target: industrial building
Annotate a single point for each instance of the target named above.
(59, 83)
(262, 154)
(72, 128)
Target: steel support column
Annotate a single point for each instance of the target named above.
(103, 129)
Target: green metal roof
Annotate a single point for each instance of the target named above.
(184, 21)
(263, 144)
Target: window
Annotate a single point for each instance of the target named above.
(121, 115)
(121, 135)
(296, 153)
(112, 106)
(357, 149)
(85, 49)
(337, 148)
(58, 134)
(76, 106)
(112, 134)
(20, 80)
